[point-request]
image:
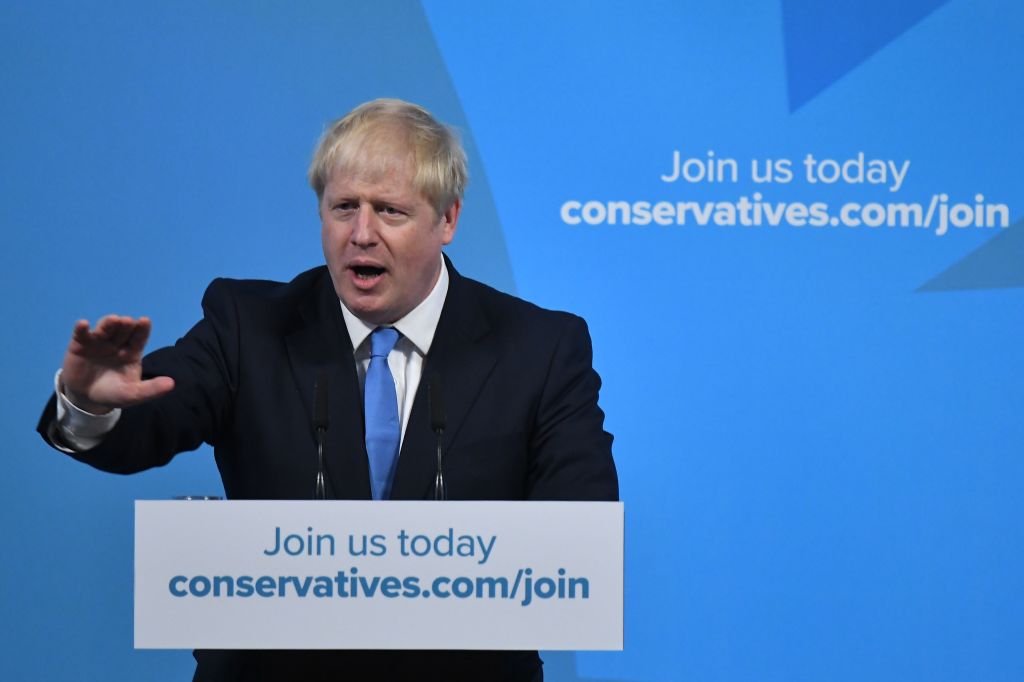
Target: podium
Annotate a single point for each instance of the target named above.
(378, 575)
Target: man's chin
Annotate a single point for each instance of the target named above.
(368, 309)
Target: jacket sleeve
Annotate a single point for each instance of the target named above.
(203, 365)
(571, 453)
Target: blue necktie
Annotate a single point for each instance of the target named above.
(383, 432)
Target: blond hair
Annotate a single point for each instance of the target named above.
(374, 135)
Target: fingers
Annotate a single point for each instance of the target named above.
(80, 336)
(119, 334)
(137, 339)
(81, 331)
(115, 329)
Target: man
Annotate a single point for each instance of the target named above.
(517, 382)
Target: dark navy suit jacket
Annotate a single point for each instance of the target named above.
(519, 391)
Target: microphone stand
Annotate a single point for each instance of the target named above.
(437, 424)
(320, 424)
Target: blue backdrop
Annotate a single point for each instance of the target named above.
(814, 424)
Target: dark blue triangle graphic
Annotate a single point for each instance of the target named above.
(996, 264)
(826, 40)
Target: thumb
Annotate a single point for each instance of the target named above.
(152, 388)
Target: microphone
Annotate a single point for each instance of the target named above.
(437, 424)
(320, 425)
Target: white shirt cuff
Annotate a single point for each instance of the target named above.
(75, 429)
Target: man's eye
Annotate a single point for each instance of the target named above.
(344, 206)
(390, 210)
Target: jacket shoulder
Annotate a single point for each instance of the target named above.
(268, 291)
(507, 309)
(266, 299)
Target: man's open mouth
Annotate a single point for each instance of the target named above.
(367, 271)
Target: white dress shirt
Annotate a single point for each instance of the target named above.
(406, 359)
(78, 430)
(74, 429)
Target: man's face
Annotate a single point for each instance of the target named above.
(382, 241)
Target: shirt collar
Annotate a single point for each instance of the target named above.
(418, 325)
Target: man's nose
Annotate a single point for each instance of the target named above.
(364, 229)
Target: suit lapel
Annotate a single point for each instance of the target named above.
(461, 356)
(319, 343)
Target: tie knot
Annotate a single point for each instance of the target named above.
(382, 340)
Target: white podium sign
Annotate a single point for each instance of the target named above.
(378, 575)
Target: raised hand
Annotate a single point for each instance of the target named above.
(103, 366)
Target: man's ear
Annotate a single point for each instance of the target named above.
(449, 221)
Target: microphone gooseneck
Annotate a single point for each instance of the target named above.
(438, 421)
(320, 426)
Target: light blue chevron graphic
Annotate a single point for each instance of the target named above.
(480, 244)
(997, 264)
(826, 40)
